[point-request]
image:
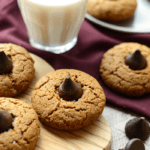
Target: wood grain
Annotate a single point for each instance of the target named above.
(96, 136)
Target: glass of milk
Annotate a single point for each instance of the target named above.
(53, 25)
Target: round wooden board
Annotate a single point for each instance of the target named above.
(96, 136)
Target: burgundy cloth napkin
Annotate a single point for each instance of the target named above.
(93, 42)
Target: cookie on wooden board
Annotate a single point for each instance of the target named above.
(112, 10)
(57, 111)
(21, 75)
(25, 128)
(119, 76)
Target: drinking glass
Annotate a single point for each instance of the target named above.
(53, 25)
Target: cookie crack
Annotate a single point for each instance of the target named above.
(51, 113)
(16, 142)
(115, 74)
(74, 108)
(24, 132)
(42, 85)
(28, 58)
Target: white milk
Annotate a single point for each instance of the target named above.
(53, 22)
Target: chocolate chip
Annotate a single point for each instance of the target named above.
(6, 120)
(5, 63)
(135, 144)
(136, 61)
(137, 128)
(70, 90)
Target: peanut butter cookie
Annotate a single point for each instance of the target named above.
(126, 68)
(16, 69)
(68, 99)
(19, 125)
(112, 10)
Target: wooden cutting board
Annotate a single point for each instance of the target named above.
(96, 136)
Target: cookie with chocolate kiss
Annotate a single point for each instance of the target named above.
(19, 125)
(68, 99)
(104, 9)
(16, 69)
(125, 68)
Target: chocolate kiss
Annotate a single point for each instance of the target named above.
(6, 120)
(136, 61)
(5, 63)
(137, 128)
(70, 90)
(134, 144)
